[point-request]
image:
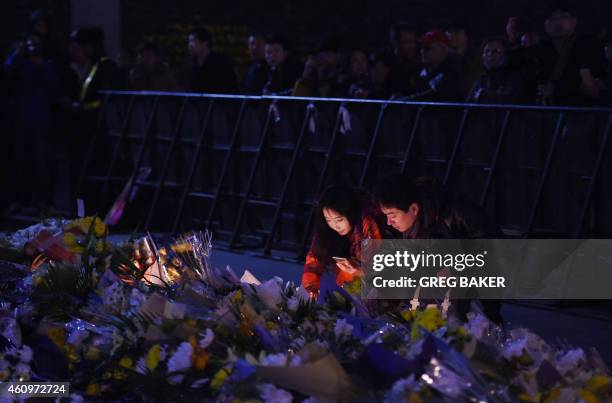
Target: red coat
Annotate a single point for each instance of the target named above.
(313, 268)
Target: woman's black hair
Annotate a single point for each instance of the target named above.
(345, 201)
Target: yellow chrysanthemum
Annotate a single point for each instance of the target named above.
(92, 353)
(597, 383)
(152, 359)
(219, 378)
(93, 389)
(126, 362)
(588, 396)
(430, 319)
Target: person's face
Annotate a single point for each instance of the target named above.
(327, 60)
(512, 30)
(406, 45)
(275, 54)
(256, 46)
(336, 221)
(608, 52)
(380, 72)
(560, 24)
(41, 28)
(434, 54)
(530, 39)
(458, 38)
(399, 219)
(77, 53)
(147, 58)
(196, 46)
(359, 64)
(493, 55)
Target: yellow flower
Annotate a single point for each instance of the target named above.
(101, 246)
(72, 243)
(220, 377)
(37, 281)
(353, 287)
(551, 396)
(92, 353)
(99, 228)
(597, 383)
(236, 297)
(126, 362)
(430, 319)
(588, 396)
(271, 325)
(152, 359)
(93, 389)
(408, 315)
(57, 336)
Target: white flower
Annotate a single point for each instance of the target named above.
(207, 340)
(137, 298)
(25, 354)
(22, 369)
(74, 398)
(514, 348)
(274, 360)
(199, 383)
(570, 360)
(272, 394)
(141, 366)
(293, 304)
(77, 336)
(180, 361)
(342, 329)
(478, 325)
(270, 293)
(400, 389)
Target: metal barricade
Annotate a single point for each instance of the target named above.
(251, 168)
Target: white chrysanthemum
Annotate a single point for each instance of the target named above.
(570, 360)
(274, 360)
(477, 325)
(22, 369)
(26, 354)
(141, 366)
(293, 304)
(342, 329)
(180, 361)
(75, 398)
(270, 293)
(208, 338)
(137, 298)
(272, 394)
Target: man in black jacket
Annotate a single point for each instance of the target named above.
(424, 210)
(209, 72)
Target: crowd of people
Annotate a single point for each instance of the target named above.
(60, 86)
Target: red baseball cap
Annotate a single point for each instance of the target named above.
(433, 36)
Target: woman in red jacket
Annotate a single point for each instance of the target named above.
(345, 217)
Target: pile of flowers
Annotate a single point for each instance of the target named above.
(98, 320)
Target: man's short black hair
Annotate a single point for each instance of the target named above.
(257, 33)
(202, 34)
(148, 45)
(396, 191)
(566, 6)
(279, 39)
(397, 29)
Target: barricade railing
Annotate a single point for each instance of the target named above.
(251, 168)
